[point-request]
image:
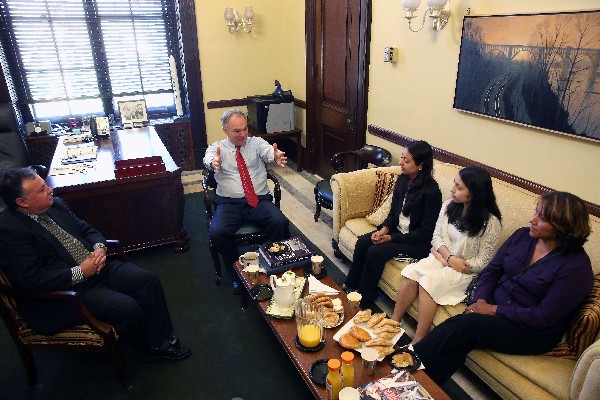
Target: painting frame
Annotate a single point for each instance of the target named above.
(535, 70)
(133, 111)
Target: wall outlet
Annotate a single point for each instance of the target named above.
(390, 54)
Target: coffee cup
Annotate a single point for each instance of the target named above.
(349, 393)
(354, 299)
(369, 359)
(317, 264)
(252, 271)
(249, 258)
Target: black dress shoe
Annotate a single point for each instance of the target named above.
(235, 287)
(171, 350)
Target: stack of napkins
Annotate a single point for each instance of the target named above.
(315, 286)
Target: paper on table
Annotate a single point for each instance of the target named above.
(315, 286)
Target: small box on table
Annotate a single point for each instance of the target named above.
(139, 166)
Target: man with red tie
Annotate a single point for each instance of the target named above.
(242, 193)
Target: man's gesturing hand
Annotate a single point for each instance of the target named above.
(280, 157)
(216, 161)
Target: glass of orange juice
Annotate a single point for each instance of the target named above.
(309, 324)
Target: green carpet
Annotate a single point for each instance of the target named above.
(235, 352)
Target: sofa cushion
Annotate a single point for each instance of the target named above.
(379, 215)
(584, 326)
(386, 181)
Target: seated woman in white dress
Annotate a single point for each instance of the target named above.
(464, 241)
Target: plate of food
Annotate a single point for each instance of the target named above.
(370, 330)
(333, 311)
(405, 359)
(277, 248)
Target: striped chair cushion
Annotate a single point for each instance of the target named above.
(584, 327)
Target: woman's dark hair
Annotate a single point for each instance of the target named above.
(569, 216)
(481, 204)
(422, 154)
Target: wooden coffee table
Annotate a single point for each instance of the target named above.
(285, 331)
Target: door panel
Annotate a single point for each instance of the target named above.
(336, 79)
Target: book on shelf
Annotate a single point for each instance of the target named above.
(398, 385)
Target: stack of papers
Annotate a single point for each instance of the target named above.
(315, 286)
(79, 154)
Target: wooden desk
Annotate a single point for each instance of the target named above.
(296, 133)
(141, 211)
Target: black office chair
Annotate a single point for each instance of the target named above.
(368, 154)
(248, 234)
(13, 151)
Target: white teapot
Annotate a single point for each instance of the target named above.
(284, 289)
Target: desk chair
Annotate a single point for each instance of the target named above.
(248, 234)
(368, 154)
(92, 336)
(13, 151)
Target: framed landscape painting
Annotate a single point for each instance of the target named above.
(539, 70)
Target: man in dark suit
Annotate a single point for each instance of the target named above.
(44, 247)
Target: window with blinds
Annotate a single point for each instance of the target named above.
(81, 57)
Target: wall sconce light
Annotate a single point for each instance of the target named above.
(235, 23)
(439, 12)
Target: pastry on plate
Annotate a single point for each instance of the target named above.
(402, 360)
(387, 328)
(360, 333)
(383, 350)
(362, 316)
(379, 342)
(386, 321)
(348, 341)
(375, 319)
(330, 318)
(386, 335)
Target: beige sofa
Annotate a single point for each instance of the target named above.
(512, 377)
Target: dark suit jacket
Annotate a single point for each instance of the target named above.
(34, 261)
(423, 215)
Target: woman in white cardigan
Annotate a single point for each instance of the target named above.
(464, 241)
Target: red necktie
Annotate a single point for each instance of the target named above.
(246, 181)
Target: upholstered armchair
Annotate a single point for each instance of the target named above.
(91, 336)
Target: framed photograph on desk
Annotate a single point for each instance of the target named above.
(133, 112)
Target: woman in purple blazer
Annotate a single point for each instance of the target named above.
(527, 294)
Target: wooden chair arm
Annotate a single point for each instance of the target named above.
(115, 248)
(65, 295)
(276, 189)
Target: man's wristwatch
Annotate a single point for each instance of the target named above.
(99, 246)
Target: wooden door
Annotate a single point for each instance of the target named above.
(337, 56)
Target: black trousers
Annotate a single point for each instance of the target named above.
(131, 299)
(230, 214)
(445, 348)
(369, 260)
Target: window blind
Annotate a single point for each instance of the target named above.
(76, 57)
